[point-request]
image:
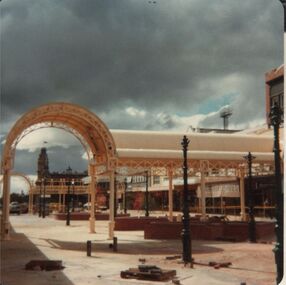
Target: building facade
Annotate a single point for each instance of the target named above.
(274, 90)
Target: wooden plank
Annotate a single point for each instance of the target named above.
(148, 272)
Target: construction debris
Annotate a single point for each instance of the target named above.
(214, 264)
(47, 265)
(218, 265)
(173, 257)
(148, 272)
(176, 281)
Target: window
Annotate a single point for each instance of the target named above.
(156, 179)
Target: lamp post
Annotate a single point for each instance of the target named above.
(40, 200)
(251, 222)
(186, 234)
(68, 205)
(44, 199)
(275, 118)
(146, 195)
(72, 182)
(125, 190)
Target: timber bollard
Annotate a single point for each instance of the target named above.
(115, 244)
(88, 248)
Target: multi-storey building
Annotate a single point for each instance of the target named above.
(274, 87)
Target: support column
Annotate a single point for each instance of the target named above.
(88, 196)
(242, 194)
(60, 195)
(92, 199)
(111, 205)
(203, 169)
(60, 201)
(170, 194)
(200, 201)
(64, 195)
(31, 196)
(5, 224)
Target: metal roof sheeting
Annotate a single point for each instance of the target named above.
(167, 145)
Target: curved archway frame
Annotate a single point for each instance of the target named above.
(30, 185)
(88, 127)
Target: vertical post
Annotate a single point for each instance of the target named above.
(64, 200)
(60, 201)
(146, 195)
(64, 195)
(68, 205)
(88, 248)
(31, 197)
(125, 192)
(186, 234)
(242, 194)
(115, 197)
(170, 194)
(40, 199)
(92, 200)
(72, 195)
(203, 190)
(251, 223)
(44, 199)
(275, 117)
(5, 226)
(111, 205)
(115, 248)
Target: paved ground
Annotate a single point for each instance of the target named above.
(37, 238)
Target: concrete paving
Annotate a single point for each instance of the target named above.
(37, 238)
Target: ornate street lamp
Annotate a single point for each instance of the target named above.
(44, 198)
(125, 190)
(251, 222)
(40, 200)
(146, 195)
(68, 205)
(276, 119)
(72, 182)
(186, 233)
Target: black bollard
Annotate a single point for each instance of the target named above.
(88, 248)
(115, 244)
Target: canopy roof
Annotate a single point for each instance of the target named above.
(202, 146)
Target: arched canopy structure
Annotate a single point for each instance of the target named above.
(85, 125)
(127, 151)
(209, 155)
(30, 185)
(163, 149)
(22, 175)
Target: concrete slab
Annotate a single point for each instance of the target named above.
(37, 238)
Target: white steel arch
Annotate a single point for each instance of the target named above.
(86, 126)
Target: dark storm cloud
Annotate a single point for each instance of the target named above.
(107, 55)
(137, 65)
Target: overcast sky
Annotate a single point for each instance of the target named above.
(135, 63)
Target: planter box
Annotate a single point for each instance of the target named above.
(135, 223)
(236, 231)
